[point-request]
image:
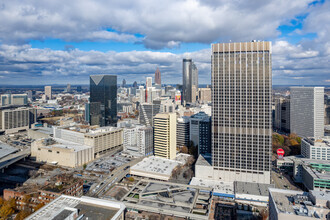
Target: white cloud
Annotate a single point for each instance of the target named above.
(55, 66)
(164, 24)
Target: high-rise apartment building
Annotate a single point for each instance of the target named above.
(165, 135)
(158, 79)
(307, 111)
(138, 140)
(13, 120)
(241, 111)
(48, 92)
(103, 100)
(189, 81)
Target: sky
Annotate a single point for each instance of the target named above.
(59, 42)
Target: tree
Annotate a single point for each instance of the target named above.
(131, 179)
(175, 172)
(184, 149)
(293, 142)
(39, 206)
(84, 166)
(190, 161)
(188, 174)
(8, 208)
(22, 215)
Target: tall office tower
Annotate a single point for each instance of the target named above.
(147, 111)
(148, 82)
(204, 145)
(48, 92)
(141, 94)
(307, 111)
(194, 80)
(165, 135)
(189, 81)
(87, 114)
(241, 111)
(195, 126)
(79, 89)
(124, 83)
(182, 131)
(282, 114)
(135, 84)
(158, 79)
(103, 100)
(148, 88)
(68, 88)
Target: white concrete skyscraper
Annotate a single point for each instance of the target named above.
(307, 111)
(241, 111)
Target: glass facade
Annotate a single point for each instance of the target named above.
(103, 100)
(204, 146)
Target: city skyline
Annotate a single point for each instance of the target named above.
(51, 46)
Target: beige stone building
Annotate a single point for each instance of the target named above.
(61, 152)
(241, 111)
(204, 95)
(101, 139)
(165, 135)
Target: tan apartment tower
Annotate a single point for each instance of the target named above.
(48, 92)
(241, 111)
(165, 135)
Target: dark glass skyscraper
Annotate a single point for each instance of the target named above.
(103, 100)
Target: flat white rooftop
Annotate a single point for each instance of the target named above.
(89, 208)
(154, 166)
(218, 187)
